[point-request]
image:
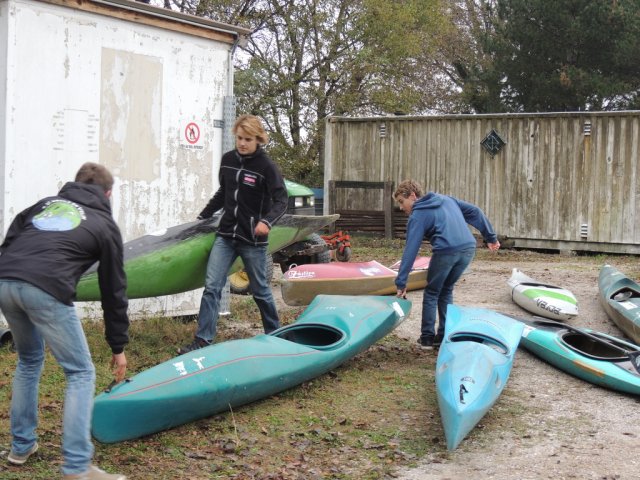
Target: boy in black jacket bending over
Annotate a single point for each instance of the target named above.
(47, 248)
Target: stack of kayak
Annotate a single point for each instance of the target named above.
(477, 351)
(473, 365)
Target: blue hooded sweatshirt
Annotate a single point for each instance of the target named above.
(442, 220)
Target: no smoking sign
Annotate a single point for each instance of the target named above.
(192, 133)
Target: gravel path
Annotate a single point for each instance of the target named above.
(569, 429)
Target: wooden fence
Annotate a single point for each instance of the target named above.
(566, 181)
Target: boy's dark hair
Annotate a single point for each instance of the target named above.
(95, 174)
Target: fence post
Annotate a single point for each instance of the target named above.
(387, 201)
(331, 208)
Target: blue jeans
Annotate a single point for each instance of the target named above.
(36, 318)
(444, 271)
(222, 256)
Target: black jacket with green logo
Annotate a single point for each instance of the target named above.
(52, 243)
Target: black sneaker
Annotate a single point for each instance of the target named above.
(195, 345)
(425, 344)
(437, 340)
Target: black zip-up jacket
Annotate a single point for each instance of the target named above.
(52, 243)
(251, 190)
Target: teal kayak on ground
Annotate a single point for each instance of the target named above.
(593, 356)
(620, 298)
(175, 260)
(473, 365)
(333, 329)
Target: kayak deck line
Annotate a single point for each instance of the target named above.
(208, 369)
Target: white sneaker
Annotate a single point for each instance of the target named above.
(94, 473)
(16, 459)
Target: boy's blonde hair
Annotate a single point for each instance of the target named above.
(252, 126)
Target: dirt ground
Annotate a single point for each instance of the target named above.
(569, 429)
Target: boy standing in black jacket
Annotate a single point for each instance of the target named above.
(253, 197)
(47, 248)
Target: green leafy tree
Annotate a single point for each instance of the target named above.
(567, 54)
(308, 59)
(465, 59)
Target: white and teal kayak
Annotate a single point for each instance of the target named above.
(542, 299)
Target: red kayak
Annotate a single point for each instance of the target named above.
(302, 283)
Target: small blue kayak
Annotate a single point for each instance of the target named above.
(593, 356)
(333, 329)
(473, 365)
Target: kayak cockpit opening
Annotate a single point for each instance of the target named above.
(479, 338)
(5, 336)
(624, 295)
(314, 335)
(607, 348)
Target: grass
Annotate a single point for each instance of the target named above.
(335, 426)
(367, 418)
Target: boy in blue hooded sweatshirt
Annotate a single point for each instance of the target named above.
(442, 220)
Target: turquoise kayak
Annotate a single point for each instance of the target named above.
(333, 329)
(620, 298)
(473, 365)
(596, 357)
(175, 260)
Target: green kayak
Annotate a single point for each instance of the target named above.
(620, 298)
(175, 260)
(333, 329)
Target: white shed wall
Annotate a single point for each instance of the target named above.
(144, 101)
